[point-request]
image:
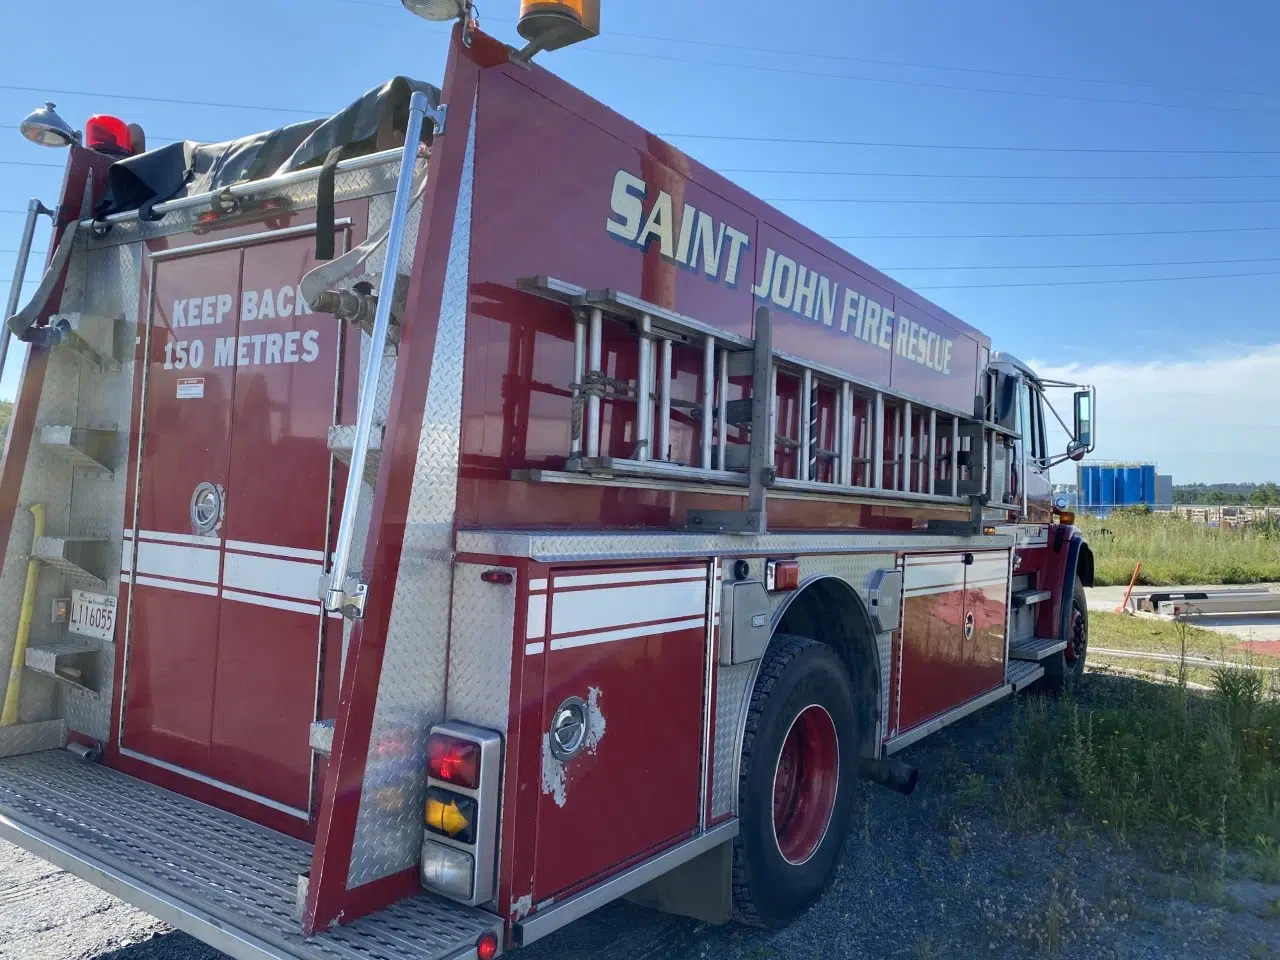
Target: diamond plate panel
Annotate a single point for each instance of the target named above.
(348, 185)
(553, 547)
(241, 874)
(481, 641)
(32, 737)
(411, 689)
(733, 686)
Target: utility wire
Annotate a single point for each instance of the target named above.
(807, 141)
(173, 100)
(814, 55)
(893, 81)
(1049, 236)
(1000, 176)
(1088, 266)
(1023, 202)
(1081, 283)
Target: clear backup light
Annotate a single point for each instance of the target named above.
(448, 870)
(44, 127)
(436, 10)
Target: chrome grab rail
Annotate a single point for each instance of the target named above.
(336, 595)
(34, 209)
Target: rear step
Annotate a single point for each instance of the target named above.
(1025, 598)
(224, 880)
(1036, 648)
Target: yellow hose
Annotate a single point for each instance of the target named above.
(9, 716)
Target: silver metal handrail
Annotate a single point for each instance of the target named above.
(254, 187)
(336, 595)
(34, 209)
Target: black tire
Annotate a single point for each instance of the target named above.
(796, 676)
(1067, 666)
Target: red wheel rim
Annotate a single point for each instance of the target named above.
(804, 784)
(1078, 637)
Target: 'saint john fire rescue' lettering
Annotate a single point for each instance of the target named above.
(696, 240)
(294, 346)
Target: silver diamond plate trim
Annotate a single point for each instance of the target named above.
(411, 689)
(856, 570)
(552, 547)
(32, 737)
(104, 282)
(348, 185)
(242, 874)
(733, 685)
(481, 642)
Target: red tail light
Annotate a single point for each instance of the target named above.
(454, 761)
(108, 135)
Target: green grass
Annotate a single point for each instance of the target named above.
(1119, 631)
(1175, 551)
(1186, 770)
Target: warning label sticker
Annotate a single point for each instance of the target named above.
(191, 388)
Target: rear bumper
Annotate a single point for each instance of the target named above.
(223, 880)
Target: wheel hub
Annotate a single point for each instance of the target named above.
(805, 783)
(1078, 637)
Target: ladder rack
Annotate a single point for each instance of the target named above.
(854, 438)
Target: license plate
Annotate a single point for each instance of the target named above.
(92, 615)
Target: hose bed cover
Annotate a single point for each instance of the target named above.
(375, 121)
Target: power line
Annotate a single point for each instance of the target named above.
(813, 55)
(184, 103)
(999, 176)
(893, 81)
(32, 163)
(1021, 202)
(1051, 236)
(802, 141)
(1089, 266)
(1080, 283)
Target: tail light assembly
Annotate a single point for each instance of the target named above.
(460, 817)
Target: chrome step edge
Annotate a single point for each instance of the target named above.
(1036, 649)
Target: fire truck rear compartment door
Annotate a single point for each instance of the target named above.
(626, 649)
(172, 650)
(236, 481)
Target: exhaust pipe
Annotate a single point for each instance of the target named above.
(893, 774)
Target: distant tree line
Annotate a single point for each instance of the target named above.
(1257, 494)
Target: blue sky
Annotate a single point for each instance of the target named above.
(862, 121)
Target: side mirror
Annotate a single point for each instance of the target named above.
(1076, 450)
(1083, 424)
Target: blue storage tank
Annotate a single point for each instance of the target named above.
(1149, 484)
(1132, 495)
(1106, 486)
(1087, 485)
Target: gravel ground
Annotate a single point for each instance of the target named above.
(935, 875)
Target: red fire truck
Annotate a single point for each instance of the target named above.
(427, 524)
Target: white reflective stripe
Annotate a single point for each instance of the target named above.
(272, 550)
(179, 538)
(956, 588)
(584, 610)
(174, 560)
(176, 585)
(652, 630)
(536, 585)
(126, 557)
(128, 534)
(933, 575)
(285, 578)
(536, 620)
(276, 602)
(532, 649)
(635, 576)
